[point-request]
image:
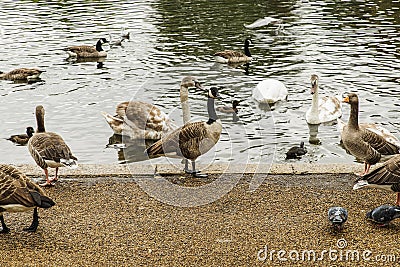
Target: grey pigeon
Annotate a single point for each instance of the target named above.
(384, 214)
(337, 216)
(296, 152)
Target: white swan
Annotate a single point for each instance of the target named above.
(325, 109)
(262, 22)
(270, 91)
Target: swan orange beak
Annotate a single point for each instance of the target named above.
(346, 99)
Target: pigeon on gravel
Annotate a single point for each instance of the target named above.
(382, 215)
(337, 216)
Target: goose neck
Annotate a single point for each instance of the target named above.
(212, 115)
(184, 96)
(99, 48)
(353, 120)
(247, 50)
(40, 122)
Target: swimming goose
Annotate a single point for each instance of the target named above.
(363, 143)
(270, 91)
(22, 139)
(385, 177)
(141, 120)
(49, 149)
(229, 56)
(21, 74)
(192, 139)
(325, 109)
(227, 109)
(87, 51)
(18, 194)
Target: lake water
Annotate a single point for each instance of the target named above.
(354, 46)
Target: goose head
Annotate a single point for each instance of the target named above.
(314, 83)
(213, 93)
(29, 131)
(351, 99)
(190, 81)
(99, 44)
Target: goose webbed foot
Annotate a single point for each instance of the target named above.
(4, 229)
(35, 222)
(47, 183)
(193, 171)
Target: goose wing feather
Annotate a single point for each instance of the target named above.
(229, 54)
(388, 173)
(378, 142)
(82, 49)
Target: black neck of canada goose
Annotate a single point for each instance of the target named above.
(246, 48)
(40, 119)
(212, 115)
(99, 48)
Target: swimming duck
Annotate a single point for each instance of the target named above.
(192, 139)
(49, 149)
(22, 139)
(230, 56)
(227, 109)
(18, 194)
(88, 51)
(363, 143)
(296, 152)
(322, 110)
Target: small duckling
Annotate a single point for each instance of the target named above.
(296, 152)
(227, 109)
(22, 139)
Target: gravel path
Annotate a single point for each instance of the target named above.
(112, 222)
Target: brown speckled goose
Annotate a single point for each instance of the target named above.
(22, 74)
(362, 143)
(88, 51)
(385, 177)
(49, 149)
(229, 56)
(22, 139)
(141, 120)
(18, 194)
(192, 139)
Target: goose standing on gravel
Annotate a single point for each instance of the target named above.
(362, 143)
(141, 120)
(192, 139)
(230, 56)
(49, 149)
(322, 110)
(21, 74)
(88, 51)
(385, 177)
(270, 91)
(18, 194)
(22, 139)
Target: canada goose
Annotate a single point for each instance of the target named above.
(227, 109)
(141, 120)
(322, 110)
(270, 91)
(87, 51)
(192, 139)
(22, 74)
(49, 149)
(362, 143)
(229, 56)
(18, 194)
(385, 177)
(22, 139)
(296, 152)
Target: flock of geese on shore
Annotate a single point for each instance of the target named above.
(141, 120)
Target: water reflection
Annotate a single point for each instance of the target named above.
(129, 150)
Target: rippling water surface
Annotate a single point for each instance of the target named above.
(354, 46)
